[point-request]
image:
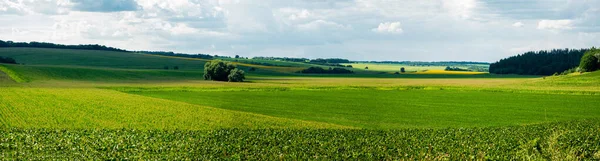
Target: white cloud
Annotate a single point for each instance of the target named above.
(463, 9)
(555, 24)
(518, 24)
(322, 25)
(389, 27)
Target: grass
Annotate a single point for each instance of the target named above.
(392, 109)
(106, 109)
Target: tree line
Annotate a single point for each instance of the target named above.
(544, 62)
(58, 46)
(319, 70)
(281, 59)
(170, 53)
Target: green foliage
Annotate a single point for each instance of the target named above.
(222, 71)
(539, 63)
(589, 61)
(402, 70)
(236, 75)
(553, 141)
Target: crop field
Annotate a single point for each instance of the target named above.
(393, 67)
(571, 140)
(441, 71)
(118, 105)
(392, 109)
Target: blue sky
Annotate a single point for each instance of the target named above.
(420, 30)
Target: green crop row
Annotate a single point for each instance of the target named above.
(573, 139)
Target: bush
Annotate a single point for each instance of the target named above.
(402, 70)
(7, 60)
(589, 61)
(236, 75)
(221, 71)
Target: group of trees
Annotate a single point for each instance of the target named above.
(282, 59)
(590, 61)
(7, 60)
(169, 53)
(455, 69)
(539, 63)
(319, 70)
(58, 46)
(222, 71)
(329, 61)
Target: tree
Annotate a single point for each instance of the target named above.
(589, 61)
(221, 71)
(366, 67)
(176, 67)
(402, 70)
(237, 56)
(236, 75)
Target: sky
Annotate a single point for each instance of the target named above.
(399, 30)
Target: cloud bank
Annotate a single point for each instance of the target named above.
(428, 30)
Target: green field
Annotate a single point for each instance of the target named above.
(393, 109)
(393, 67)
(80, 104)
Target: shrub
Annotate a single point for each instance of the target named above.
(7, 60)
(221, 71)
(176, 67)
(402, 70)
(589, 61)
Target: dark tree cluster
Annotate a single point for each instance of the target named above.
(7, 60)
(166, 53)
(58, 46)
(282, 59)
(319, 70)
(590, 61)
(539, 63)
(222, 71)
(455, 69)
(329, 61)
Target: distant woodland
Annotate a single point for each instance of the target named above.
(544, 62)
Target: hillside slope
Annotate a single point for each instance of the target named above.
(97, 58)
(107, 109)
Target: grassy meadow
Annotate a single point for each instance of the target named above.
(78, 104)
